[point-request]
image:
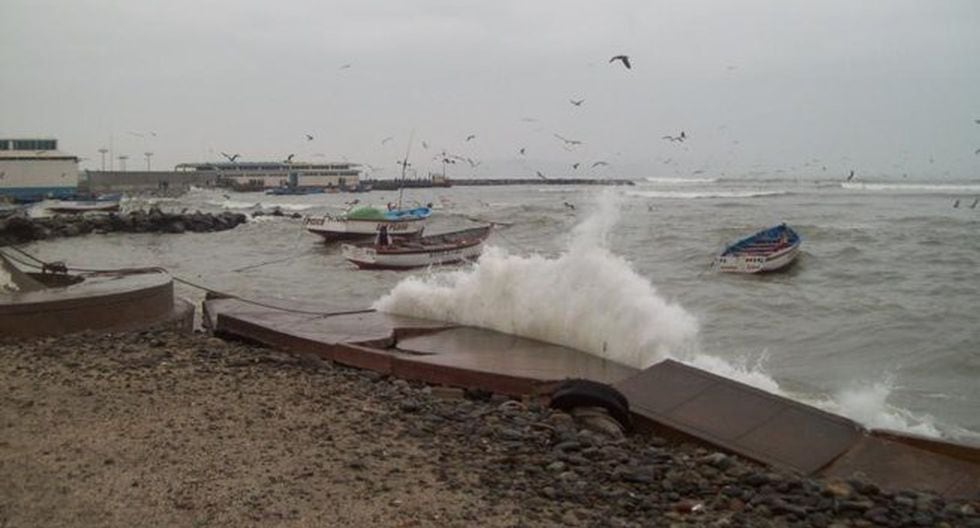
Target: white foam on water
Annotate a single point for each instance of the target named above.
(592, 300)
(680, 181)
(585, 298)
(937, 188)
(233, 204)
(694, 195)
(867, 403)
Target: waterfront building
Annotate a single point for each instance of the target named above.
(257, 175)
(33, 169)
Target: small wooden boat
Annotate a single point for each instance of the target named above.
(768, 250)
(365, 222)
(447, 248)
(86, 203)
(69, 207)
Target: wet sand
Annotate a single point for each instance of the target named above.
(163, 429)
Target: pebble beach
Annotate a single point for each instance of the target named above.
(159, 428)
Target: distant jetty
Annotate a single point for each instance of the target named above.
(393, 185)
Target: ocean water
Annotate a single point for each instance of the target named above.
(878, 320)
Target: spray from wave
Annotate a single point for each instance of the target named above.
(586, 298)
(592, 300)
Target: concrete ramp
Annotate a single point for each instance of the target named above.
(416, 349)
(739, 418)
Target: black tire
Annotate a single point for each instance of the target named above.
(587, 393)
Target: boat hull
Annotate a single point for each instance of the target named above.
(768, 250)
(82, 207)
(333, 229)
(756, 263)
(428, 251)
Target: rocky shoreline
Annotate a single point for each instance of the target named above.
(159, 428)
(22, 229)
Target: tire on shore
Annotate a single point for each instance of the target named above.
(574, 393)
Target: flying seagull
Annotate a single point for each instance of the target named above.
(230, 158)
(471, 136)
(673, 139)
(974, 204)
(576, 102)
(425, 145)
(850, 176)
(568, 141)
(344, 67)
(387, 139)
(522, 151)
(956, 204)
(624, 59)
(568, 205)
(540, 175)
(975, 152)
(309, 137)
(575, 165)
(289, 158)
(599, 164)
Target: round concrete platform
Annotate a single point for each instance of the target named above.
(105, 302)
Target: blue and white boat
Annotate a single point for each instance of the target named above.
(365, 222)
(768, 250)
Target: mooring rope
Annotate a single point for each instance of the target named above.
(159, 269)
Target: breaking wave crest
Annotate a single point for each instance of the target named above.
(693, 195)
(585, 298)
(592, 300)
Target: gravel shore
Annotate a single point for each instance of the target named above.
(159, 428)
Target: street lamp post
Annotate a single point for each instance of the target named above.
(102, 151)
(147, 154)
(122, 162)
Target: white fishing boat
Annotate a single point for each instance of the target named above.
(388, 253)
(366, 222)
(768, 250)
(85, 204)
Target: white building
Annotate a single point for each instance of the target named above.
(32, 169)
(269, 174)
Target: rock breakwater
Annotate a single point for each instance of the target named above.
(22, 229)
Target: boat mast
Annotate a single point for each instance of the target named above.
(401, 188)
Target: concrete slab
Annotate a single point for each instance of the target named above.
(739, 418)
(894, 465)
(104, 302)
(416, 349)
(487, 351)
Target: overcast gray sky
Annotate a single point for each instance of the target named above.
(884, 87)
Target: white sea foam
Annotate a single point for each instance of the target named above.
(693, 195)
(233, 204)
(586, 298)
(867, 403)
(680, 181)
(593, 300)
(931, 188)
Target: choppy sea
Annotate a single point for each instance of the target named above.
(878, 320)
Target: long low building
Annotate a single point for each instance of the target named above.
(32, 169)
(139, 181)
(270, 174)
